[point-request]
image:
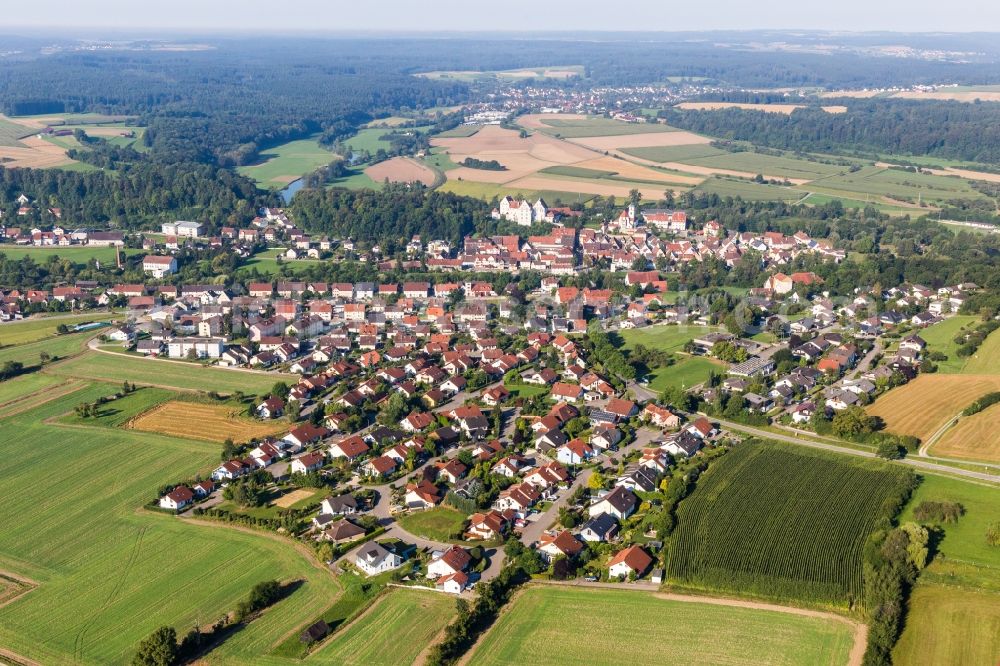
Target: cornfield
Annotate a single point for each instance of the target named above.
(767, 521)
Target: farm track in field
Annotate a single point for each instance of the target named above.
(78, 643)
(25, 402)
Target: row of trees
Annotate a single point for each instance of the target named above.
(951, 130)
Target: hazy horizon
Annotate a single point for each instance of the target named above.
(452, 16)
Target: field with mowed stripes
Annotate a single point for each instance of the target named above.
(108, 573)
(559, 625)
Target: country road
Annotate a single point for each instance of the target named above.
(912, 462)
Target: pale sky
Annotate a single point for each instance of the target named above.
(506, 15)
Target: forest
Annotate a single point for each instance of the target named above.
(226, 104)
(390, 216)
(137, 196)
(952, 130)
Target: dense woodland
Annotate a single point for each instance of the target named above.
(227, 104)
(395, 214)
(138, 196)
(953, 130)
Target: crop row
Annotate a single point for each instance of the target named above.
(778, 523)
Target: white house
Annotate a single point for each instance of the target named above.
(452, 583)
(202, 347)
(177, 499)
(631, 560)
(620, 503)
(159, 266)
(181, 228)
(454, 560)
(374, 558)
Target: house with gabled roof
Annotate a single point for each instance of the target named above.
(177, 499)
(631, 561)
(619, 502)
(552, 545)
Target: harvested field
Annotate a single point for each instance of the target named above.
(785, 109)
(527, 159)
(974, 437)
(35, 153)
(856, 94)
(47, 120)
(534, 120)
(602, 187)
(953, 95)
(949, 626)
(508, 148)
(679, 138)
(401, 170)
(213, 423)
(923, 406)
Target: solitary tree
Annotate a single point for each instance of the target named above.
(157, 649)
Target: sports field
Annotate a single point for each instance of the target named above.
(282, 164)
(687, 371)
(550, 625)
(108, 575)
(208, 422)
(927, 403)
(163, 373)
(395, 630)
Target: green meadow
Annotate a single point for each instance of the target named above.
(284, 163)
(747, 189)
(108, 574)
(395, 630)
(30, 330)
(641, 628)
(162, 373)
